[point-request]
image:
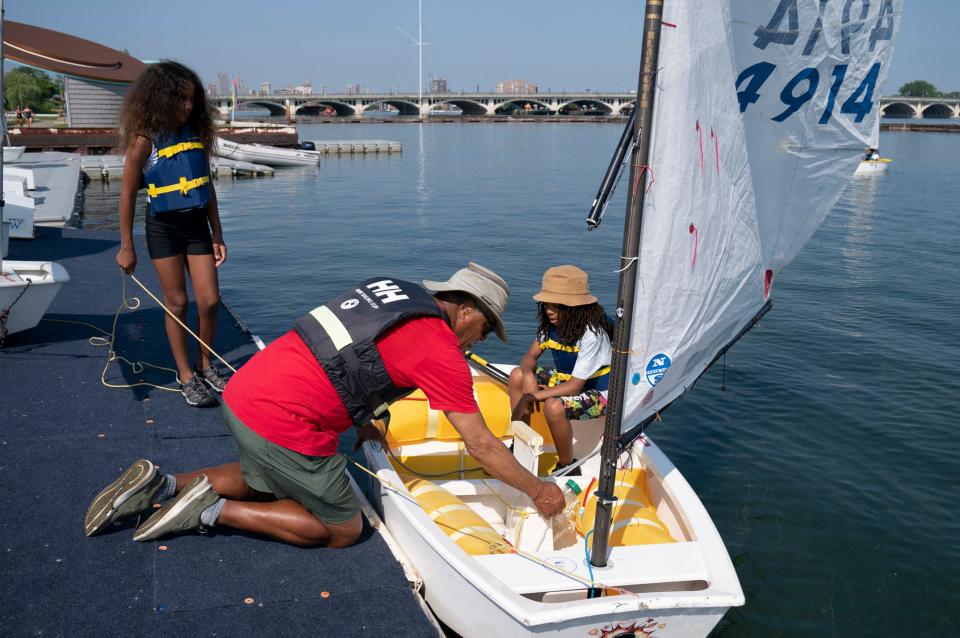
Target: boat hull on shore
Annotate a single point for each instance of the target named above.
(27, 288)
(677, 588)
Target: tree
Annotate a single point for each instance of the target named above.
(919, 88)
(24, 86)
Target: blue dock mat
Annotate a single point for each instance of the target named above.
(64, 436)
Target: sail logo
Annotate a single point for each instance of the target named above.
(657, 367)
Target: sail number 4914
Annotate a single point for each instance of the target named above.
(784, 29)
(803, 86)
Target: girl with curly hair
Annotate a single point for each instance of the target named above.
(166, 135)
(577, 331)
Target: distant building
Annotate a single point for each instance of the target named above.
(265, 88)
(515, 87)
(223, 83)
(212, 89)
(353, 89)
(438, 85)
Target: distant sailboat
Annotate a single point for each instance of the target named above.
(751, 119)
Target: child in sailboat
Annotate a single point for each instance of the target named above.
(166, 133)
(577, 331)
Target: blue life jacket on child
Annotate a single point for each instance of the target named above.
(565, 358)
(180, 179)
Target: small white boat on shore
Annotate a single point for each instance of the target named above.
(873, 167)
(27, 289)
(267, 155)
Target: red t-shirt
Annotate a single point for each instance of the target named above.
(283, 394)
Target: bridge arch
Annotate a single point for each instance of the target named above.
(273, 107)
(585, 106)
(898, 109)
(469, 107)
(405, 107)
(524, 105)
(317, 107)
(937, 111)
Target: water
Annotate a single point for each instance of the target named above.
(830, 464)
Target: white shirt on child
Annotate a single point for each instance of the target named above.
(595, 353)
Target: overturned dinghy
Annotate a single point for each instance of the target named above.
(268, 155)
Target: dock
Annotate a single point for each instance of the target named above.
(64, 435)
(357, 147)
(107, 168)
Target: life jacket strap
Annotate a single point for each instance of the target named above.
(559, 377)
(556, 345)
(343, 342)
(184, 186)
(170, 151)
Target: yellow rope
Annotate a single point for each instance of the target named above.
(126, 303)
(182, 325)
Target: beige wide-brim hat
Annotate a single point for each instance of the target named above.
(485, 286)
(566, 285)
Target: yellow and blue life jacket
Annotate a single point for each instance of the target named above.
(180, 179)
(565, 358)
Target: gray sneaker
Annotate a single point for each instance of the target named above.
(182, 514)
(197, 394)
(130, 494)
(214, 378)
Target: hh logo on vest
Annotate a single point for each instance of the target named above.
(384, 290)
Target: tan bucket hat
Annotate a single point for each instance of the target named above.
(567, 285)
(485, 286)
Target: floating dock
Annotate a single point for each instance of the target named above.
(357, 147)
(65, 435)
(110, 167)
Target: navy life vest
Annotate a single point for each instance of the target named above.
(342, 336)
(565, 358)
(180, 179)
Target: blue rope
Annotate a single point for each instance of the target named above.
(586, 550)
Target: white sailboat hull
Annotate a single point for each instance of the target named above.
(38, 281)
(872, 167)
(679, 589)
(268, 155)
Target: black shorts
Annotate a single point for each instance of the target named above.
(182, 232)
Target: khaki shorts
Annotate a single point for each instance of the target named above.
(319, 483)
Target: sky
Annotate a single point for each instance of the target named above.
(559, 45)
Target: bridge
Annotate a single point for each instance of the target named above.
(475, 104)
(480, 104)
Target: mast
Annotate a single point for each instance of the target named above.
(628, 278)
(420, 57)
(3, 123)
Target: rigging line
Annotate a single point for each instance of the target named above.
(182, 325)
(630, 261)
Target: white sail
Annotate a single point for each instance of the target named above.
(762, 112)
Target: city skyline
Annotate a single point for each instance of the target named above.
(571, 47)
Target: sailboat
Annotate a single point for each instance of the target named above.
(26, 287)
(751, 118)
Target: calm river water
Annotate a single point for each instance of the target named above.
(831, 463)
